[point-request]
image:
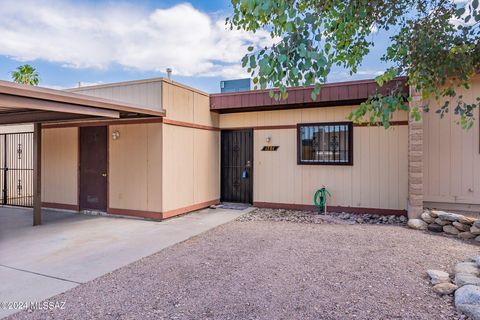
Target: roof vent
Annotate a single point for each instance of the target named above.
(169, 73)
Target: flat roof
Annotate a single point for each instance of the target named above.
(23, 103)
(331, 94)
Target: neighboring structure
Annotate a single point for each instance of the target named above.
(153, 168)
(187, 150)
(237, 85)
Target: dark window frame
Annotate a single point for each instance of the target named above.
(320, 162)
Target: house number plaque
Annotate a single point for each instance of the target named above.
(270, 148)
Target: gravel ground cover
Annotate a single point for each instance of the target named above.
(303, 216)
(276, 270)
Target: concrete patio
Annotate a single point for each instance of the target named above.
(69, 249)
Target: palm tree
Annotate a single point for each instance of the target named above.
(26, 74)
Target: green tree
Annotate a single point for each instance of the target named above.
(26, 74)
(435, 43)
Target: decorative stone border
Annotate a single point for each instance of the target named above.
(466, 285)
(450, 223)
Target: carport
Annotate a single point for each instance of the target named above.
(27, 104)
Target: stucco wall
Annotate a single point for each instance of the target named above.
(135, 167)
(378, 178)
(451, 155)
(191, 171)
(60, 165)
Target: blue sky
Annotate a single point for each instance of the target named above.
(105, 41)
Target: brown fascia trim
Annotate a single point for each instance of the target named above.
(355, 210)
(331, 95)
(294, 126)
(189, 125)
(53, 95)
(100, 122)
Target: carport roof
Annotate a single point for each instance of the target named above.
(23, 104)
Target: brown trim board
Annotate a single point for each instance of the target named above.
(189, 125)
(357, 210)
(100, 123)
(135, 213)
(161, 215)
(62, 206)
(198, 206)
(294, 126)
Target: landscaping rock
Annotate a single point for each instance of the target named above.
(462, 279)
(466, 235)
(448, 216)
(438, 276)
(427, 217)
(467, 300)
(466, 220)
(477, 239)
(475, 230)
(417, 224)
(467, 268)
(433, 213)
(435, 227)
(461, 226)
(476, 260)
(450, 230)
(444, 288)
(473, 311)
(304, 216)
(477, 223)
(442, 222)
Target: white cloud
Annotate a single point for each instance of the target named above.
(461, 21)
(98, 36)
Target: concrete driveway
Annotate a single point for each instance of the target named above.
(70, 249)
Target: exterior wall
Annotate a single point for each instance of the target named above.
(135, 168)
(185, 104)
(60, 168)
(142, 93)
(191, 158)
(452, 157)
(378, 178)
(16, 128)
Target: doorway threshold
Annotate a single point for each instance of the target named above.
(233, 205)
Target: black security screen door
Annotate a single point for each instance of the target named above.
(16, 168)
(237, 166)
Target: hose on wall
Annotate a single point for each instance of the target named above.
(320, 199)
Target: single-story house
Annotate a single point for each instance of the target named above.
(156, 148)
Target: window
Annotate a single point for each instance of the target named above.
(325, 143)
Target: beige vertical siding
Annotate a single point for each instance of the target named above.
(135, 167)
(188, 105)
(143, 93)
(378, 178)
(191, 173)
(60, 166)
(452, 156)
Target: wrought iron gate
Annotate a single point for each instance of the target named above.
(16, 169)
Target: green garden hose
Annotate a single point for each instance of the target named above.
(320, 199)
